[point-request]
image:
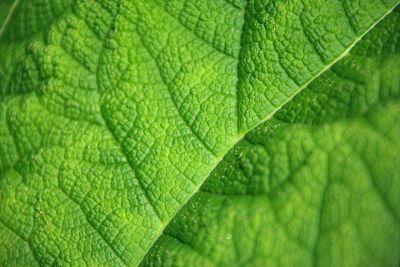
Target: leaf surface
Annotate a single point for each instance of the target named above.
(317, 185)
(114, 113)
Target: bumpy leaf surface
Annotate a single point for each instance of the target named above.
(317, 185)
(113, 113)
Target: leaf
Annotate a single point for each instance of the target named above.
(114, 113)
(317, 185)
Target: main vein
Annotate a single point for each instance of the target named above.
(9, 17)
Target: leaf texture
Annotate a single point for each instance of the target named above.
(114, 113)
(317, 185)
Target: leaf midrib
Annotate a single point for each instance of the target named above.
(270, 115)
(9, 17)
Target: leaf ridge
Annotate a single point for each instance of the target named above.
(79, 205)
(225, 53)
(34, 254)
(167, 86)
(240, 56)
(376, 188)
(199, 252)
(321, 211)
(107, 126)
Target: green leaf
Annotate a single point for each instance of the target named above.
(317, 185)
(114, 113)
